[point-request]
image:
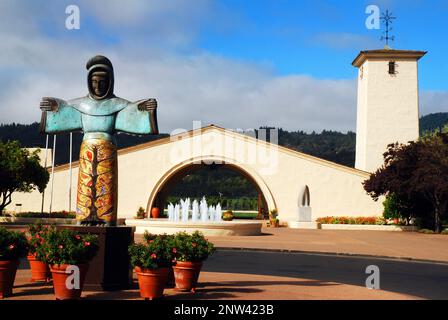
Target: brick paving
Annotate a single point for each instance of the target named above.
(215, 285)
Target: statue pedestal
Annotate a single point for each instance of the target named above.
(110, 269)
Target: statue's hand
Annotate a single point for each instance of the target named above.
(49, 104)
(148, 105)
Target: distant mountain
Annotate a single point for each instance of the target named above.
(330, 145)
(433, 121)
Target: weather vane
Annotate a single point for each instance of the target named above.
(387, 18)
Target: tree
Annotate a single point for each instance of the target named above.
(417, 170)
(20, 171)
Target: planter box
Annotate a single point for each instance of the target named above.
(26, 221)
(367, 227)
(57, 221)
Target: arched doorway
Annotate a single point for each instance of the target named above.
(165, 185)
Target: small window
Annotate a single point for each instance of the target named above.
(392, 67)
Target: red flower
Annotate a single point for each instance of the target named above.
(174, 250)
(86, 244)
(153, 256)
(78, 237)
(11, 247)
(194, 244)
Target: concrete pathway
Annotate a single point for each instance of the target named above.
(410, 245)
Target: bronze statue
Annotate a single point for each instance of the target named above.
(99, 115)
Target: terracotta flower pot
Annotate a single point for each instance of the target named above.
(151, 282)
(8, 271)
(186, 275)
(155, 212)
(61, 292)
(40, 271)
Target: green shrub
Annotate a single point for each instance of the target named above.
(192, 247)
(39, 215)
(156, 252)
(245, 215)
(67, 247)
(13, 245)
(352, 220)
(228, 215)
(36, 234)
(141, 214)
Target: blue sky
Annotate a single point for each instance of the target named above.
(303, 36)
(230, 62)
(290, 35)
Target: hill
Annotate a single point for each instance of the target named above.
(433, 121)
(330, 145)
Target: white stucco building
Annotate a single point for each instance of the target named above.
(387, 112)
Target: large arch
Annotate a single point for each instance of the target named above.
(181, 167)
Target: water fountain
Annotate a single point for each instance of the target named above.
(187, 215)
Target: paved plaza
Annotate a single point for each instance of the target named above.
(302, 264)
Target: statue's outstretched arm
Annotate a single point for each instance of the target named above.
(59, 116)
(138, 117)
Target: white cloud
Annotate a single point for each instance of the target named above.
(189, 86)
(433, 101)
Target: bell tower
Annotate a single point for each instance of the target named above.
(387, 106)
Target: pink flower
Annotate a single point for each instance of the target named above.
(174, 250)
(60, 246)
(153, 256)
(194, 244)
(86, 244)
(11, 247)
(78, 237)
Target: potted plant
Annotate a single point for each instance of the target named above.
(170, 238)
(155, 212)
(151, 261)
(141, 214)
(190, 250)
(13, 245)
(273, 220)
(228, 215)
(40, 271)
(63, 250)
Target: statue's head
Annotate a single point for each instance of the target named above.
(100, 77)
